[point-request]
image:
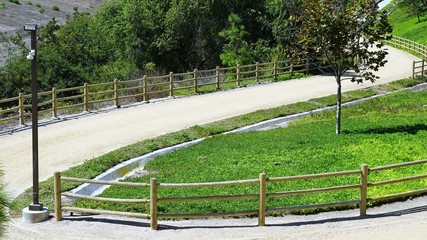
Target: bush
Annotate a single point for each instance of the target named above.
(55, 8)
(3, 205)
(2, 5)
(15, 1)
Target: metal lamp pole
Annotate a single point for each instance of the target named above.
(36, 205)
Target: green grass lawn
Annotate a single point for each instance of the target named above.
(407, 26)
(93, 167)
(379, 132)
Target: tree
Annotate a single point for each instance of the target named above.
(236, 50)
(416, 7)
(345, 35)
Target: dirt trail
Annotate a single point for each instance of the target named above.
(70, 142)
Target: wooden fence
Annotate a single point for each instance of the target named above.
(92, 96)
(262, 195)
(418, 68)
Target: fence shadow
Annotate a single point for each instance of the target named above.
(411, 129)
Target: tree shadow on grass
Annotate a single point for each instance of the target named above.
(410, 129)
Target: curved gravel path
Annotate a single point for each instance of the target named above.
(70, 142)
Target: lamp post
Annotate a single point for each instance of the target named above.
(36, 205)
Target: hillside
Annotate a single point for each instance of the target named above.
(407, 26)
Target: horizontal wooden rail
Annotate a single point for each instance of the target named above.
(399, 180)
(321, 205)
(311, 176)
(262, 196)
(123, 184)
(208, 215)
(316, 190)
(209, 198)
(207, 184)
(107, 212)
(398, 165)
(115, 200)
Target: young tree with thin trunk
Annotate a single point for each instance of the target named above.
(345, 35)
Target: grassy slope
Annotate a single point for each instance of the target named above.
(408, 27)
(379, 132)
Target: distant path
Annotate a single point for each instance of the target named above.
(68, 143)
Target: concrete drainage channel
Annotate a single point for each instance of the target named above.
(135, 166)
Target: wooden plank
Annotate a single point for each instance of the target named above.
(115, 200)
(398, 195)
(316, 190)
(319, 175)
(207, 184)
(321, 205)
(375, 184)
(106, 212)
(208, 215)
(124, 184)
(405, 164)
(209, 198)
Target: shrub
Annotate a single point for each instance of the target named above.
(3, 205)
(2, 5)
(55, 8)
(15, 1)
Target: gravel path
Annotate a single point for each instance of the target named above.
(71, 141)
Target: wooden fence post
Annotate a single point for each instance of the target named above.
(257, 72)
(21, 109)
(262, 199)
(413, 70)
(422, 68)
(238, 75)
(86, 97)
(145, 87)
(217, 73)
(57, 192)
(116, 93)
(153, 203)
(195, 80)
(54, 104)
(171, 84)
(275, 69)
(364, 189)
(307, 65)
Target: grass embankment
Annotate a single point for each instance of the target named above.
(94, 167)
(379, 132)
(407, 26)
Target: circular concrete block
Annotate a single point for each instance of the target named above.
(35, 216)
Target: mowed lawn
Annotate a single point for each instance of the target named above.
(382, 131)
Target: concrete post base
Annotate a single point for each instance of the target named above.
(35, 216)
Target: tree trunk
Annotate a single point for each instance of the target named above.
(338, 120)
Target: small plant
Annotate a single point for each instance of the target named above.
(15, 1)
(55, 8)
(42, 10)
(29, 3)
(2, 5)
(38, 5)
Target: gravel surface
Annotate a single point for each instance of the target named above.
(71, 141)
(397, 221)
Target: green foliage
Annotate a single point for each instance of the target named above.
(236, 50)
(55, 8)
(38, 5)
(4, 203)
(15, 2)
(2, 5)
(42, 10)
(345, 35)
(415, 8)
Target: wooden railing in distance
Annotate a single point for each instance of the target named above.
(262, 195)
(116, 93)
(412, 47)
